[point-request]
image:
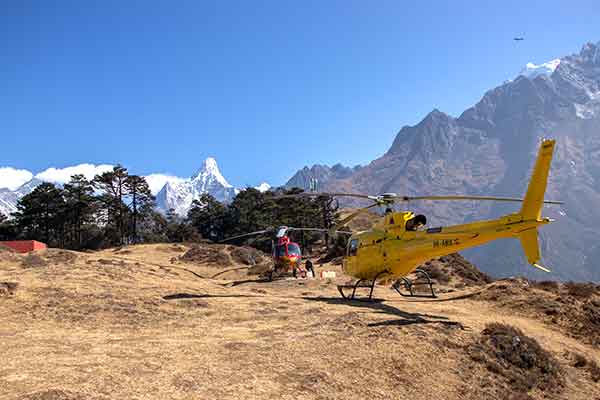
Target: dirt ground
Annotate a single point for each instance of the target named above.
(143, 322)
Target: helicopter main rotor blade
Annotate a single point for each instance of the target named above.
(246, 234)
(317, 194)
(355, 214)
(318, 230)
(481, 198)
(387, 198)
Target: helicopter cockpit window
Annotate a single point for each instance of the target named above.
(415, 223)
(293, 249)
(353, 247)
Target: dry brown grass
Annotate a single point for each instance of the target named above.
(582, 362)
(572, 307)
(8, 288)
(33, 260)
(136, 326)
(4, 249)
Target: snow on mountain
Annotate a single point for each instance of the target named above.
(157, 181)
(8, 202)
(9, 198)
(263, 187)
(532, 70)
(180, 195)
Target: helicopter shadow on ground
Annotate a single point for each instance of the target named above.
(245, 281)
(380, 307)
(182, 296)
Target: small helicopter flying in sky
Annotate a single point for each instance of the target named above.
(399, 242)
(286, 255)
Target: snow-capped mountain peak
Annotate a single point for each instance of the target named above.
(210, 173)
(532, 70)
(180, 195)
(263, 187)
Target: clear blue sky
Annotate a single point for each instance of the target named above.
(265, 87)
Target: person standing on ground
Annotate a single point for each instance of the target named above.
(309, 267)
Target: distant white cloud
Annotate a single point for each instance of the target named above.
(13, 178)
(63, 175)
(157, 181)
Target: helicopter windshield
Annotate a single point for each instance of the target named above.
(293, 249)
(280, 251)
(353, 247)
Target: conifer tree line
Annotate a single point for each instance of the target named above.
(117, 208)
(83, 214)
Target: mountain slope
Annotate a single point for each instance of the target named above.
(490, 149)
(322, 174)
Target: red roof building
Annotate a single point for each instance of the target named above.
(24, 246)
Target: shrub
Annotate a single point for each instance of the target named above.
(520, 359)
(580, 290)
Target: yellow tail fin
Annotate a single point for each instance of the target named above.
(534, 201)
(534, 198)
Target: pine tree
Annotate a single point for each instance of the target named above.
(112, 186)
(142, 201)
(179, 230)
(8, 230)
(153, 228)
(329, 208)
(208, 216)
(80, 206)
(40, 214)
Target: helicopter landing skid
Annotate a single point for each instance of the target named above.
(423, 279)
(361, 283)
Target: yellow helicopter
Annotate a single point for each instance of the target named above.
(399, 243)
